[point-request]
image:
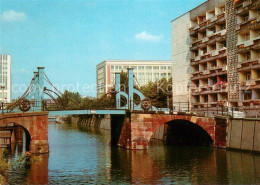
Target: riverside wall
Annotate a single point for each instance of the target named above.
(244, 134)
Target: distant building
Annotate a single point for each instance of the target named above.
(5, 77)
(144, 71)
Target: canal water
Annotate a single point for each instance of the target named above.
(83, 156)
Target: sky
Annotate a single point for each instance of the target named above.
(69, 38)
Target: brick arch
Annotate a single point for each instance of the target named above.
(199, 129)
(207, 124)
(139, 128)
(37, 126)
(27, 133)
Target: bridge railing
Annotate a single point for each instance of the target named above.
(208, 110)
(16, 107)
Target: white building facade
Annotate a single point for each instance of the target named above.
(144, 72)
(5, 78)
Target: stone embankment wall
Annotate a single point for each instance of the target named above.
(96, 121)
(244, 134)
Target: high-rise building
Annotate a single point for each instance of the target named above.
(216, 52)
(5, 78)
(144, 71)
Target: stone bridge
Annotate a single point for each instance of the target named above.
(35, 125)
(135, 130)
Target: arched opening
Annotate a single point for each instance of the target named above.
(183, 132)
(19, 133)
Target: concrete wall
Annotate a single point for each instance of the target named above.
(244, 134)
(181, 57)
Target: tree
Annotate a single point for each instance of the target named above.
(70, 100)
(159, 92)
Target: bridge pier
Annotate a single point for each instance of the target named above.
(137, 128)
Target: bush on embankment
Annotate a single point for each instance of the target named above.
(22, 162)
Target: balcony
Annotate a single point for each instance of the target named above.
(209, 57)
(249, 64)
(246, 5)
(250, 84)
(248, 45)
(249, 24)
(220, 88)
(216, 37)
(220, 18)
(209, 73)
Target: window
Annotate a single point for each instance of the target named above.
(245, 17)
(141, 67)
(206, 98)
(148, 77)
(169, 67)
(163, 67)
(141, 78)
(149, 67)
(163, 75)
(169, 76)
(247, 36)
(247, 95)
(156, 67)
(248, 75)
(248, 55)
(155, 76)
(112, 67)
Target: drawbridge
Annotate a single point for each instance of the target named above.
(33, 99)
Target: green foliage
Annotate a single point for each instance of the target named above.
(70, 100)
(21, 162)
(159, 92)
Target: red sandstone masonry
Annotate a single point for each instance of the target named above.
(137, 131)
(36, 124)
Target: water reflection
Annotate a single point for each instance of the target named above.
(82, 155)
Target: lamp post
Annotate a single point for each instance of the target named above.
(2, 87)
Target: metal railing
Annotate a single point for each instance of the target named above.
(14, 107)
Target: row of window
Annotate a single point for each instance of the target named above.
(143, 78)
(141, 67)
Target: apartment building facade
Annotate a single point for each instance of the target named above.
(144, 71)
(221, 47)
(5, 78)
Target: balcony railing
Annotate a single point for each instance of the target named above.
(218, 36)
(249, 44)
(206, 58)
(208, 23)
(249, 64)
(248, 25)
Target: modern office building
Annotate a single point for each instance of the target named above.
(5, 78)
(144, 71)
(216, 51)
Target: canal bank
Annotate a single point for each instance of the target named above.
(241, 134)
(82, 155)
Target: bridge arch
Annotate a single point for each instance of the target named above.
(13, 126)
(139, 128)
(184, 132)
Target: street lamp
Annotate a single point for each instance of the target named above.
(3, 88)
